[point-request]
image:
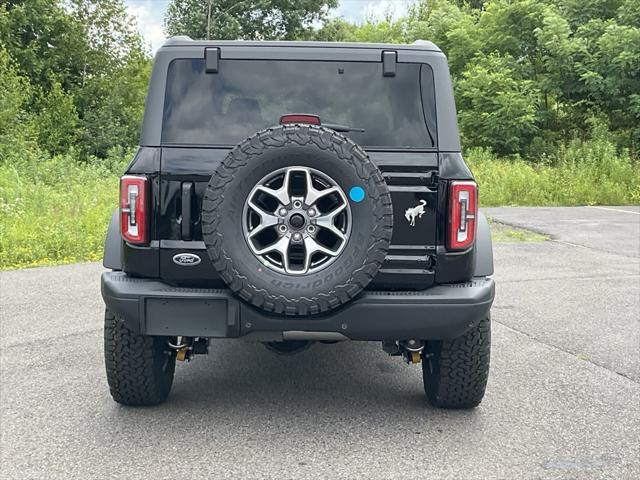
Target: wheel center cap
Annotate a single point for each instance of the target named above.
(297, 220)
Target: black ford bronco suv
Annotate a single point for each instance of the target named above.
(296, 192)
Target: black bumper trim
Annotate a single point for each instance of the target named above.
(152, 307)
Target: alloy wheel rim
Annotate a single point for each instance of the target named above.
(296, 220)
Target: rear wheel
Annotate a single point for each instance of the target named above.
(139, 367)
(455, 371)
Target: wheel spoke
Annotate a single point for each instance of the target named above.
(311, 247)
(266, 219)
(327, 221)
(281, 195)
(313, 195)
(337, 232)
(310, 198)
(281, 246)
(260, 228)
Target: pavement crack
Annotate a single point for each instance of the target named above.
(567, 352)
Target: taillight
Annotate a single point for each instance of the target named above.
(463, 210)
(134, 222)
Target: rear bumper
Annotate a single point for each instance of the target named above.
(155, 308)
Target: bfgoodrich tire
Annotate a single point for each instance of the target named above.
(456, 371)
(324, 153)
(139, 370)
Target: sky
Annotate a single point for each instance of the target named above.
(150, 14)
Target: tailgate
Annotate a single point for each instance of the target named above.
(412, 181)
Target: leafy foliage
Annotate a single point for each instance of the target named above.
(55, 210)
(247, 19)
(497, 107)
(57, 120)
(14, 93)
(536, 73)
(86, 71)
(73, 78)
(582, 173)
(548, 93)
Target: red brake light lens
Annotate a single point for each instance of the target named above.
(300, 118)
(134, 222)
(463, 211)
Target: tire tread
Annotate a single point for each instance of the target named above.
(134, 364)
(456, 371)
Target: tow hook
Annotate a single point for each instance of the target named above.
(412, 350)
(186, 347)
(181, 354)
(415, 357)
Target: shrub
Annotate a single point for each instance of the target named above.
(583, 173)
(55, 210)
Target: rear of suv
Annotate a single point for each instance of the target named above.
(292, 193)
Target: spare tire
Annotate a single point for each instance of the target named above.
(297, 220)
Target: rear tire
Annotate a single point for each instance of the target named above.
(455, 372)
(139, 369)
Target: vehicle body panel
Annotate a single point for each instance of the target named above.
(417, 259)
(153, 308)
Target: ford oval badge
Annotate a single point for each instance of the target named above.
(186, 259)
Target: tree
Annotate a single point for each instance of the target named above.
(496, 109)
(472, 4)
(14, 93)
(579, 12)
(248, 19)
(529, 75)
(609, 69)
(453, 29)
(334, 30)
(87, 68)
(57, 121)
(45, 41)
(116, 105)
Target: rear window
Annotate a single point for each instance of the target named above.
(248, 95)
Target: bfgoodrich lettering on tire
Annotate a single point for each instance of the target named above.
(297, 220)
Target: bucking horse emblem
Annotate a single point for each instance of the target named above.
(414, 212)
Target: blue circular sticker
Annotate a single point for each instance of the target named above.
(356, 194)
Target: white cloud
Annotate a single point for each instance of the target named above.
(359, 10)
(149, 16)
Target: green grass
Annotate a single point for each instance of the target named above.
(586, 174)
(55, 211)
(501, 233)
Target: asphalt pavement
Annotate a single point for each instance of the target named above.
(562, 401)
